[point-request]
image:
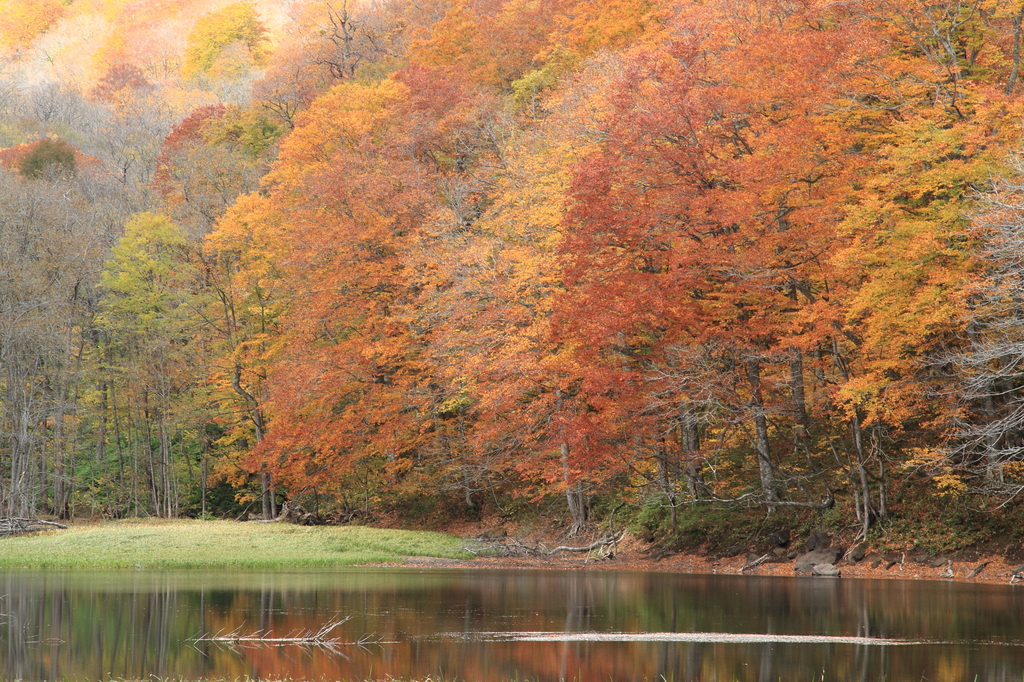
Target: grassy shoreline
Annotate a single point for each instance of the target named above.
(220, 544)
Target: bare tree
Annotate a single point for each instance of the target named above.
(50, 252)
(55, 103)
(991, 367)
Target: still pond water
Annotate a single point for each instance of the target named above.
(496, 625)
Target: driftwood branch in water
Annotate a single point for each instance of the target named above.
(17, 526)
(304, 638)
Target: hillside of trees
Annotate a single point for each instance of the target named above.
(694, 263)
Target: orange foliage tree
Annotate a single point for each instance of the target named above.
(596, 245)
(717, 246)
(699, 242)
(346, 373)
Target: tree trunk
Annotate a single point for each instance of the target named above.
(764, 459)
(467, 489)
(266, 487)
(1016, 21)
(796, 380)
(153, 472)
(689, 441)
(268, 514)
(101, 428)
(866, 512)
(666, 477)
(862, 474)
(883, 511)
(579, 509)
(166, 483)
(203, 475)
(61, 465)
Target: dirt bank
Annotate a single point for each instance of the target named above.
(632, 554)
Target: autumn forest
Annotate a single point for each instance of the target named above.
(679, 261)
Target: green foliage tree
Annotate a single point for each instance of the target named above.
(49, 158)
(151, 318)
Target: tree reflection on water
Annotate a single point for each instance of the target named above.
(490, 625)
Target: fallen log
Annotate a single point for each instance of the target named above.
(18, 526)
(603, 542)
(754, 563)
(978, 569)
(509, 546)
(503, 547)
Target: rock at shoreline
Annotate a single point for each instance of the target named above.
(828, 570)
(733, 550)
(780, 538)
(805, 563)
(817, 540)
(858, 552)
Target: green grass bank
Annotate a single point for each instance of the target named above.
(219, 544)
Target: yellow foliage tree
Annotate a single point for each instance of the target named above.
(25, 20)
(214, 35)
